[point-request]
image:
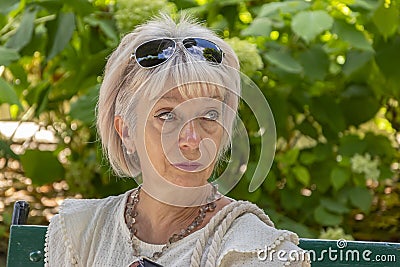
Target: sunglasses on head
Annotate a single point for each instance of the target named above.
(153, 53)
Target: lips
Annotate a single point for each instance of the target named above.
(187, 166)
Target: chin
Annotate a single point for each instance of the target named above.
(189, 180)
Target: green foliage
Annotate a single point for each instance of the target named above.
(250, 60)
(328, 69)
(130, 13)
(8, 94)
(334, 234)
(42, 166)
(309, 24)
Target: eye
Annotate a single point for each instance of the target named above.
(166, 116)
(211, 115)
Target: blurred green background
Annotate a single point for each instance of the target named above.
(329, 69)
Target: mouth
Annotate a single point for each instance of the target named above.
(187, 166)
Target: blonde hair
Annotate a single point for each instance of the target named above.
(124, 78)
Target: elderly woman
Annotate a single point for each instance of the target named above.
(165, 115)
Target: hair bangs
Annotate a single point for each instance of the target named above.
(193, 79)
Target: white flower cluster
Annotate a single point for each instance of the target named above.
(130, 13)
(365, 164)
(250, 59)
(335, 234)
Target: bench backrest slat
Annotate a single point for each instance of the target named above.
(340, 253)
(27, 244)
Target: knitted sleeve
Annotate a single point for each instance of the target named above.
(285, 254)
(58, 251)
(241, 235)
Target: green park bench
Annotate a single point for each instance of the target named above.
(26, 247)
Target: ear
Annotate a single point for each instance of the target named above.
(122, 129)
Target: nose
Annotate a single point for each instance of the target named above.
(189, 137)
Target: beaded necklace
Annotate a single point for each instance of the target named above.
(130, 218)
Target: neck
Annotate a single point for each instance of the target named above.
(158, 221)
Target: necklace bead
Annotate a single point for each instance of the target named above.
(131, 214)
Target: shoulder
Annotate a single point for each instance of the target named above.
(251, 235)
(88, 207)
(78, 214)
(78, 219)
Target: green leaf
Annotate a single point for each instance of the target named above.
(83, 109)
(379, 145)
(61, 34)
(259, 27)
(387, 57)
(7, 6)
(284, 61)
(270, 183)
(38, 96)
(339, 177)
(109, 30)
(42, 167)
(350, 145)
(278, 103)
(5, 150)
(327, 111)
(315, 63)
(351, 35)
(320, 175)
(52, 6)
(357, 91)
(24, 33)
(361, 198)
(79, 7)
(307, 158)
(306, 128)
(308, 24)
(289, 157)
(7, 94)
(323, 152)
(296, 227)
(366, 4)
(302, 175)
(359, 104)
(387, 19)
(291, 200)
(359, 110)
(326, 218)
(356, 60)
(334, 206)
(282, 7)
(7, 56)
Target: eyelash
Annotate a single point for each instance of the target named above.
(159, 116)
(216, 116)
(162, 114)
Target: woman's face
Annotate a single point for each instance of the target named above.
(181, 137)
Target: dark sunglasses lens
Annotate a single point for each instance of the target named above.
(202, 49)
(155, 52)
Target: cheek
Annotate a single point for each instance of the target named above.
(153, 144)
(212, 130)
(209, 127)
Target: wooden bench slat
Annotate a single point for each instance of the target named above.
(27, 245)
(351, 253)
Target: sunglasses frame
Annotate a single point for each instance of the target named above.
(133, 55)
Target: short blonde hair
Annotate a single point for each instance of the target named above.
(123, 78)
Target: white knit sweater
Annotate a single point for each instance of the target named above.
(93, 233)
